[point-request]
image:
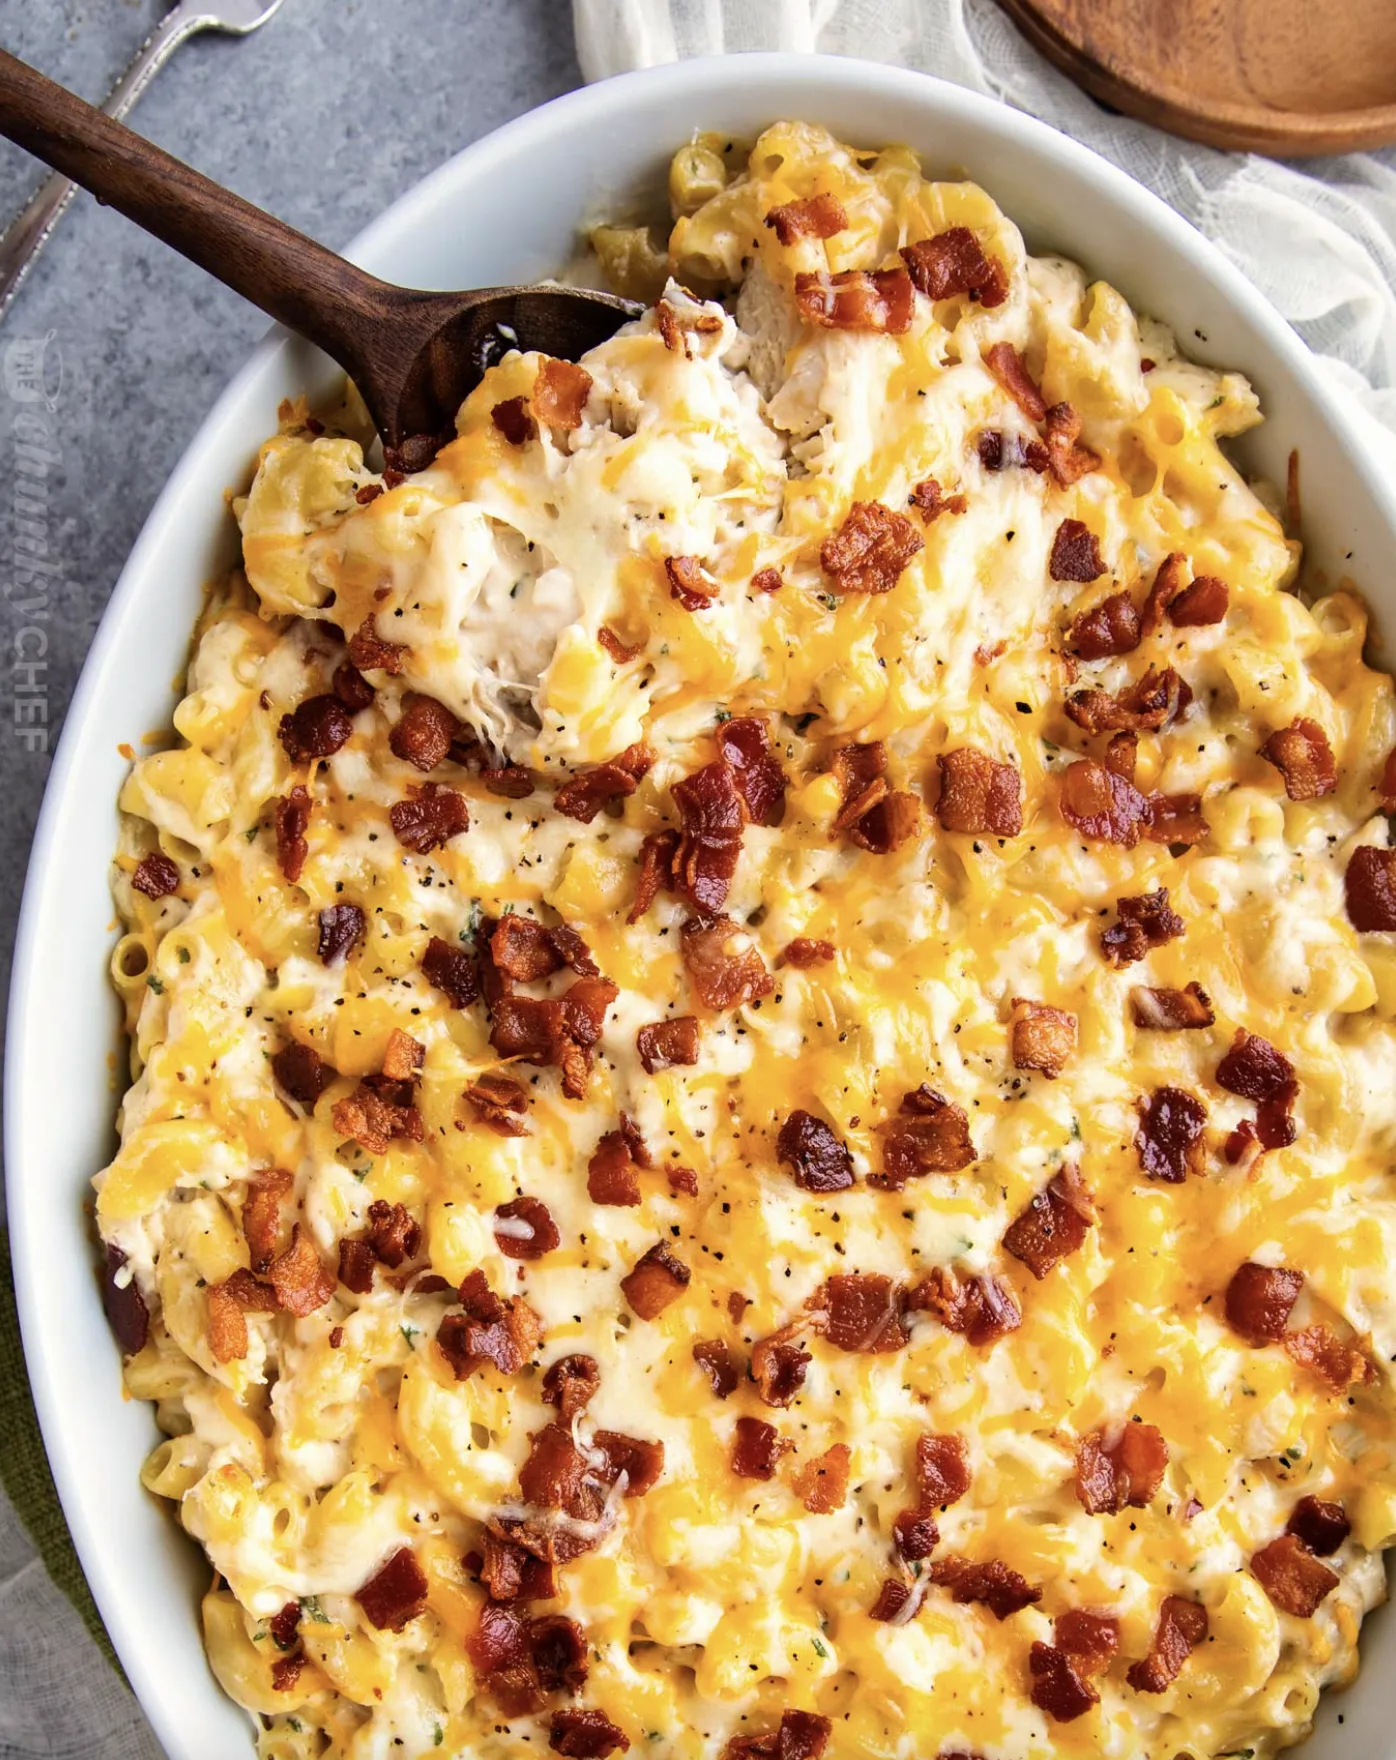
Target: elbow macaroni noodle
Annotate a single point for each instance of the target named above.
(715, 1602)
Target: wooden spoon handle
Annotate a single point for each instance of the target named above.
(292, 279)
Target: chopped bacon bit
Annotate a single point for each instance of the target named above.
(997, 451)
(1126, 1472)
(302, 1072)
(818, 216)
(954, 262)
(722, 979)
(1204, 601)
(452, 971)
(285, 1625)
(403, 1057)
(1292, 1577)
(1009, 368)
(560, 393)
(1069, 460)
(570, 1383)
(351, 687)
(585, 1735)
(737, 1305)
(1322, 1526)
(341, 927)
(127, 1314)
(367, 492)
(582, 796)
(1075, 553)
(822, 1484)
(675, 333)
(227, 1326)
(369, 652)
(525, 950)
(690, 583)
(619, 651)
(1176, 819)
(1044, 1038)
(1053, 1226)
(641, 1462)
(508, 782)
(1254, 1068)
(395, 1593)
(979, 1307)
(1090, 1639)
(491, 1330)
(514, 422)
(992, 1584)
(875, 818)
(1107, 629)
(870, 549)
(299, 1279)
(682, 1179)
(1154, 701)
(667, 1044)
(979, 795)
(511, 1573)
(291, 815)
(713, 815)
(529, 1230)
(802, 953)
(1182, 1625)
(942, 1471)
(1369, 887)
(891, 1606)
(522, 1661)
(778, 1368)
(1122, 755)
(914, 1535)
(499, 1102)
(1170, 1141)
(930, 501)
(1143, 923)
(656, 1280)
(424, 733)
(392, 1233)
(766, 580)
(714, 1357)
(356, 1264)
(857, 299)
(266, 1193)
(286, 1672)
(657, 854)
(864, 1312)
(1303, 756)
(429, 818)
(156, 876)
(1057, 1684)
(1170, 1011)
(801, 1736)
(1239, 1141)
(1337, 1364)
(1101, 805)
(744, 744)
(928, 1135)
(1168, 578)
(611, 1177)
(756, 1448)
(818, 1160)
(1258, 1301)
(316, 729)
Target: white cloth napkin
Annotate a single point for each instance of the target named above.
(1318, 241)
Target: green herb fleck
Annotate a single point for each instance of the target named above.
(251, 833)
(311, 1608)
(155, 984)
(819, 1648)
(409, 1333)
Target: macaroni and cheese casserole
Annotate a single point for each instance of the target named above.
(763, 1019)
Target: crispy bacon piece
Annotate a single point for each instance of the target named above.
(1254, 1068)
(429, 818)
(1369, 888)
(514, 422)
(1153, 701)
(640, 1462)
(1168, 578)
(822, 1483)
(1090, 1639)
(998, 451)
(316, 728)
(1322, 1526)
(1182, 1626)
(677, 324)
(818, 216)
(393, 1234)
(351, 687)
(156, 876)
(930, 500)
(1303, 756)
(800, 1736)
(1054, 1225)
(992, 1584)
(817, 1159)
(300, 1280)
(582, 796)
(1292, 1577)
(230, 1300)
(1009, 368)
(611, 1176)
(657, 853)
(621, 652)
(569, 1384)
(980, 1307)
(1075, 553)
(521, 1661)
(714, 1357)
(657, 1279)
(1043, 1038)
(524, 949)
(667, 1044)
(285, 1625)
(756, 1448)
(929, 1134)
(373, 1119)
(766, 580)
(1101, 805)
(1336, 1363)
(870, 549)
(1112, 627)
(341, 927)
(713, 815)
(1068, 458)
(585, 1735)
(778, 1367)
(1170, 1011)
(499, 1102)
(1058, 1684)
(914, 1535)
(1126, 1472)
(1122, 755)
(1176, 819)
(291, 816)
(942, 1471)
(127, 1314)
(690, 583)
(262, 1204)
(1203, 601)
(395, 1593)
(979, 795)
(896, 1602)
(424, 733)
(857, 299)
(402, 1057)
(368, 652)
(1143, 923)
(864, 1312)
(802, 953)
(511, 1573)
(1170, 1141)
(301, 1072)
(452, 971)
(745, 745)
(1259, 1299)
(356, 1263)
(954, 262)
(721, 978)
(528, 1230)
(560, 393)
(491, 1330)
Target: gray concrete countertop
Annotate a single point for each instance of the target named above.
(323, 116)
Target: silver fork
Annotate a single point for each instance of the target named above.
(27, 234)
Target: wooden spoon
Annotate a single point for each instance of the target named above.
(1285, 77)
(413, 355)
